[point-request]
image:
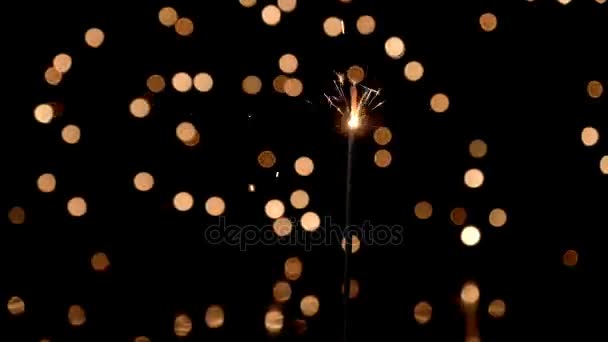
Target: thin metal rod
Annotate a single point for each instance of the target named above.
(347, 232)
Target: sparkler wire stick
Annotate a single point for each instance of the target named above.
(347, 233)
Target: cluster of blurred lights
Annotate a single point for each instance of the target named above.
(214, 318)
(169, 17)
(383, 157)
(589, 135)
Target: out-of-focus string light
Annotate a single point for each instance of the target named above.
(16, 306)
(52, 76)
(77, 206)
(182, 82)
(214, 316)
(100, 262)
(142, 339)
(271, 15)
(564, 2)
(44, 113)
(332, 26)
(498, 217)
(94, 37)
(184, 26)
(474, 178)
(183, 201)
(143, 181)
(478, 148)
(215, 206)
(281, 291)
(251, 85)
(293, 268)
(570, 258)
(77, 315)
(488, 22)
(273, 320)
(293, 87)
(266, 159)
(470, 293)
(168, 16)
(274, 208)
(440, 103)
(458, 216)
(287, 5)
(604, 165)
(354, 289)
(383, 158)
(366, 24)
(70, 134)
(590, 136)
(413, 71)
(595, 89)
(182, 326)
(304, 166)
(46, 182)
(62, 62)
(383, 136)
(288, 63)
(355, 244)
(139, 107)
(16, 215)
(187, 133)
(247, 3)
(203, 82)
(309, 305)
(299, 199)
(282, 226)
(394, 47)
(423, 210)
(155, 83)
(310, 221)
(279, 83)
(470, 236)
(497, 308)
(423, 312)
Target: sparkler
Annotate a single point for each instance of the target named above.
(354, 109)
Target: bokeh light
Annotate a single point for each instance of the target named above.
(187, 133)
(70, 134)
(423, 210)
(304, 166)
(273, 320)
(46, 182)
(182, 326)
(182, 82)
(248, 3)
(293, 268)
(440, 103)
(604, 165)
(16, 215)
(77, 206)
(203, 82)
(309, 305)
(281, 291)
(497, 308)
(488, 22)
(310, 221)
(214, 317)
(354, 246)
(590, 136)
(394, 47)
(458, 216)
(595, 89)
(279, 83)
(252, 85)
(287, 5)
(44, 113)
(274, 208)
(299, 199)
(76, 315)
(470, 235)
(100, 262)
(469, 293)
(564, 2)
(570, 258)
(52, 76)
(498, 217)
(333, 26)
(353, 292)
(383, 158)
(155, 83)
(183, 201)
(474, 178)
(413, 71)
(293, 87)
(94, 37)
(355, 74)
(167, 16)
(139, 107)
(143, 181)
(366, 24)
(62, 62)
(16, 306)
(271, 15)
(142, 339)
(215, 206)
(478, 148)
(382, 136)
(266, 159)
(282, 226)
(184, 26)
(423, 312)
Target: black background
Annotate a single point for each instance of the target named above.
(520, 88)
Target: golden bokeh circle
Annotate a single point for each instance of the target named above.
(299, 199)
(183, 201)
(423, 210)
(46, 182)
(167, 16)
(52, 76)
(310, 221)
(77, 206)
(595, 89)
(458, 216)
(248, 3)
(478, 148)
(383, 136)
(293, 87)
(497, 308)
(394, 47)
(142, 339)
(353, 292)
(282, 226)
(423, 312)
(182, 326)
(474, 178)
(366, 24)
(143, 181)
(214, 317)
(590, 136)
(44, 113)
(383, 158)
(184, 26)
(287, 5)
(355, 74)
(271, 15)
(100, 262)
(332, 26)
(470, 235)
(139, 107)
(288, 63)
(62, 62)
(70, 134)
(570, 258)
(498, 217)
(251, 85)
(488, 22)
(440, 103)
(155, 83)
(604, 165)
(413, 71)
(266, 159)
(215, 206)
(94, 37)
(203, 82)
(182, 82)
(281, 291)
(279, 83)
(304, 166)
(274, 208)
(186, 132)
(273, 320)
(16, 215)
(16, 306)
(293, 268)
(76, 315)
(469, 293)
(309, 305)
(355, 244)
